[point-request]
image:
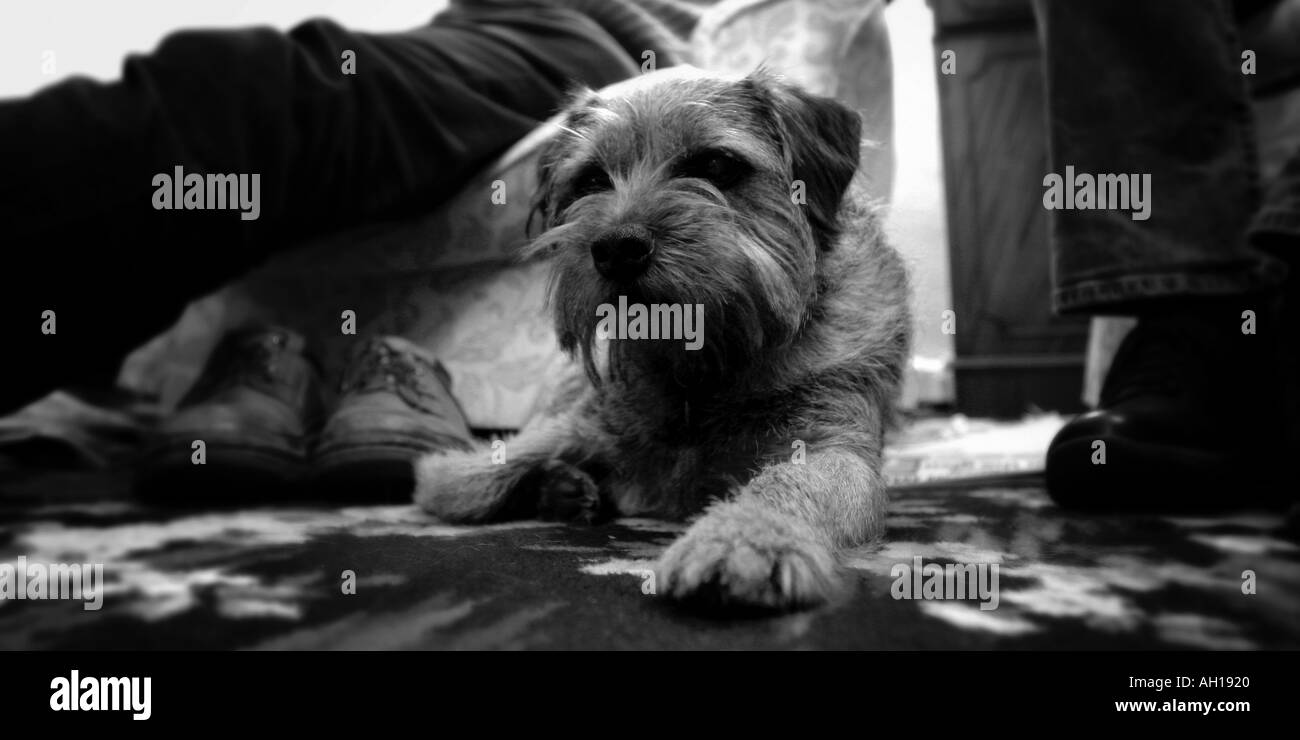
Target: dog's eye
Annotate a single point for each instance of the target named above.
(590, 180)
(719, 168)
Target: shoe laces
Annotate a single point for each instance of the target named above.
(380, 368)
(243, 360)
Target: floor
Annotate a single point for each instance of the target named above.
(274, 578)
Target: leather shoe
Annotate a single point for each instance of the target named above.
(1183, 423)
(252, 409)
(394, 406)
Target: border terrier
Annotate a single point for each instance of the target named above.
(743, 197)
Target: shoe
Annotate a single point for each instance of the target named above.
(394, 406)
(252, 407)
(1183, 423)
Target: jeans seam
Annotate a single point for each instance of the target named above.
(1087, 294)
(1276, 220)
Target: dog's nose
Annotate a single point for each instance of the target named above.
(624, 253)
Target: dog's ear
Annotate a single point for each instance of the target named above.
(573, 113)
(542, 207)
(821, 139)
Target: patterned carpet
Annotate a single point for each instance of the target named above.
(274, 578)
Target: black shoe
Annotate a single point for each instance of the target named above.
(1184, 422)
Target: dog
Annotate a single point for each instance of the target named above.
(739, 199)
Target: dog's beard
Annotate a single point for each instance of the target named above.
(747, 273)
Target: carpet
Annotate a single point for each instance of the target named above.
(392, 578)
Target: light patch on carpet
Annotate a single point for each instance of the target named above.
(651, 525)
(619, 567)
(1242, 544)
(1200, 631)
(972, 618)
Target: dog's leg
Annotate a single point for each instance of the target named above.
(774, 544)
(533, 475)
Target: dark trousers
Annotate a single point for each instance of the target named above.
(424, 110)
(1157, 88)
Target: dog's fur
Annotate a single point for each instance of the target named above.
(806, 332)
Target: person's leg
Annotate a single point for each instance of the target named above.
(1152, 89)
(1276, 229)
(1276, 226)
(1155, 90)
(423, 111)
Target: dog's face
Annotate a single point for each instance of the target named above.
(697, 190)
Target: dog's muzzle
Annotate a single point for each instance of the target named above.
(624, 253)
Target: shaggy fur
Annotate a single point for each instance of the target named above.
(771, 431)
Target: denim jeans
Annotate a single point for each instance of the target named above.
(1156, 88)
(424, 110)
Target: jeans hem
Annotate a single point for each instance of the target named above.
(1275, 223)
(1109, 295)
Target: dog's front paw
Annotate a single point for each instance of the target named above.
(566, 494)
(745, 556)
(468, 488)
